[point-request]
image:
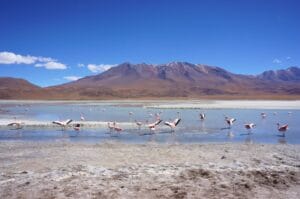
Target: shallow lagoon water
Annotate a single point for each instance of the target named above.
(190, 130)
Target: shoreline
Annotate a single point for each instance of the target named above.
(183, 104)
(117, 170)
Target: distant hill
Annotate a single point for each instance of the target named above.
(15, 88)
(289, 74)
(175, 79)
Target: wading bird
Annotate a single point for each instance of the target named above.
(282, 128)
(77, 127)
(117, 128)
(263, 115)
(113, 127)
(110, 126)
(230, 121)
(63, 124)
(202, 116)
(152, 126)
(82, 117)
(249, 126)
(173, 124)
(17, 124)
(139, 124)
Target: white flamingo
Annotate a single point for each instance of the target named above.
(202, 116)
(152, 126)
(63, 124)
(249, 126)
(17, 124)
(230, 121)
(139, 124)
(263, 115)
(77, 127)
(117, 128)
(113, 127)
(82, 117)
(173, 124)
(282, 128)
(110, 126)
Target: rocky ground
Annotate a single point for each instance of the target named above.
(115, 170)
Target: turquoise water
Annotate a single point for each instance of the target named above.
(190, 130)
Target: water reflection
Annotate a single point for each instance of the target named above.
(230, 134)
(282, 140)
(249, 139)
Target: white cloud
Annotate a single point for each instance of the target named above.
(288, 58)
(99, 68)
(11, 58)
(80, 65)
(52, 65)
(72, 78)
(47, 62)
(277, 61)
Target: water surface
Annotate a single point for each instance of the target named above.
(190, 130)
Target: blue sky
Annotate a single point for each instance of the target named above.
(51, 42)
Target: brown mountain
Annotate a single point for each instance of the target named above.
(176, 79)
(290, 74)
(14, 88)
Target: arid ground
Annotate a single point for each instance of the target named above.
(115, 170)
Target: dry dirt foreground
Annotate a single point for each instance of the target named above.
(115, 170)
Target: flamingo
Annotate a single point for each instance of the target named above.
(130, 115)
(153, 125)
(157, 116)
(282, 128)
(113, 127)
(202, 116)
(249, 126)
(117, 128)
(77, 127)
(110, 126)
(82, 117)
(173, 124)
(63, 124)
(139, 124)
(263, 115)
(230, 121)
(17, 125)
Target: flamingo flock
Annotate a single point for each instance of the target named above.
(172, 124)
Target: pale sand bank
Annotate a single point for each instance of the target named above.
(49, 124)
(114, 170)
(203, 104)
(231, 104)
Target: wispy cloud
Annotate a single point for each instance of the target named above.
(288, 58)
(99, 68)
(277, 61)
(51, 65)
(46, 62)
(80, 65)
(72, 78)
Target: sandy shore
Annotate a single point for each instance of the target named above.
(49, 124)
(114, 170)
(230, 104)
(166, 104)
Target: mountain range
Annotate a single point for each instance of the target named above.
(172, 80)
